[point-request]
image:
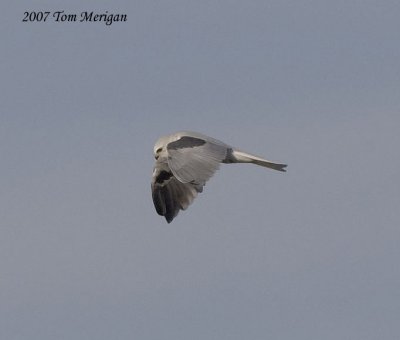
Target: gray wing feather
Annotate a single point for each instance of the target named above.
(171, 196)
(195, 160)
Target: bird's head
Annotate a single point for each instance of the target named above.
(159, 148)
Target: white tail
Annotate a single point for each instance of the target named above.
(243, 157)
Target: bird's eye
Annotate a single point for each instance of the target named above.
(158, 150)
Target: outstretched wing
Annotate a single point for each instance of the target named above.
(195, 160)
(171, 195)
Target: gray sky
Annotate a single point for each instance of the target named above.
(310, 254)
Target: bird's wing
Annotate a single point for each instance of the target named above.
(171, 195)
(194, 160)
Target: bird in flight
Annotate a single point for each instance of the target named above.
(185, 161)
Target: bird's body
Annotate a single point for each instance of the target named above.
(184, 162)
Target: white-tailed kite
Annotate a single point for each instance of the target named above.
(184, 162)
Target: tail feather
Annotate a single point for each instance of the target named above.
(243, 157)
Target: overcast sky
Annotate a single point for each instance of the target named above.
(309, 254)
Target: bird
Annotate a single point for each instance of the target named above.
(184, 162)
